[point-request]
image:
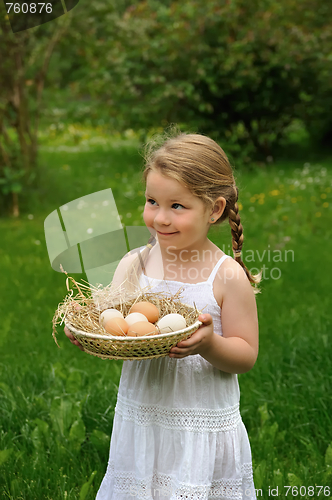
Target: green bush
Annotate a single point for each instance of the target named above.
(236, 70)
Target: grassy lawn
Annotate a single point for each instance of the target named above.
(57, 405)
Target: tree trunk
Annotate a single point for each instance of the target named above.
(16, 211)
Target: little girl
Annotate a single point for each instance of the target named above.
(177, 431)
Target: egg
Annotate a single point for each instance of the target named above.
(142, 328)
(116, 326)
(149, 310)
(135, 318)
(171, 323)
(108, 314)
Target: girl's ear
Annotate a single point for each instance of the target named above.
(218, 209)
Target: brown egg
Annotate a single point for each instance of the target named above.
(142, 328)
(116, 326)
(149, 310)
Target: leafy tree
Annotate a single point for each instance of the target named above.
(235, 69)
(23, 67)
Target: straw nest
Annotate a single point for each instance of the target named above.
(80, 313)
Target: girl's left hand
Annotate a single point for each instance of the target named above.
(198, 342)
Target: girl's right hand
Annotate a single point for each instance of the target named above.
(72, 338)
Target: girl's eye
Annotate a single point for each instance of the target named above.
(151, 201)
(175, 205)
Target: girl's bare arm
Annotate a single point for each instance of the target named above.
(236, 351)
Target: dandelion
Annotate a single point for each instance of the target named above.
(323, 196)
(318, 214)
(30, 216)
(240, 206)
(275, 192)
(325, 205)
(128, 215)
(253, 199)
(294, 200)
(285, 217)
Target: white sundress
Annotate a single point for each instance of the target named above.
(177, 430)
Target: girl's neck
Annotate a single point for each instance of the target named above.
(176, 264)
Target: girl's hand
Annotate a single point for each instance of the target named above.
(72, 338)
(198, 342)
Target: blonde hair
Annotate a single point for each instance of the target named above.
(201, 165)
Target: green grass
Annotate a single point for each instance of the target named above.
(57, 405)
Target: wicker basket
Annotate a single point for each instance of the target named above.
(81, 313)
(145, 347)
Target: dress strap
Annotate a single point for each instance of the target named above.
(216, 267)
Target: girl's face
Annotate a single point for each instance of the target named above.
(180, 219)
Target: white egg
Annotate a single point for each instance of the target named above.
(133, 318)
(109, 314)
(171, 323)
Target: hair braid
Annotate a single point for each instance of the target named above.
(237, 240)
(235, 223)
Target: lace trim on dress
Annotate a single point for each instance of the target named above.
(197, 419)
(159, 486)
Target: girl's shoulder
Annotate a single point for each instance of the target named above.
(230, 280)
(126, 261)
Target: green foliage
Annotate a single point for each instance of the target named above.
(86, 488)
(238, 71)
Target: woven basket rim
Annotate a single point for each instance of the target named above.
(125, 338)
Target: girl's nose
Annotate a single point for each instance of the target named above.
(162, 218)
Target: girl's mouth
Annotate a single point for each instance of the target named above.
(166, 234)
